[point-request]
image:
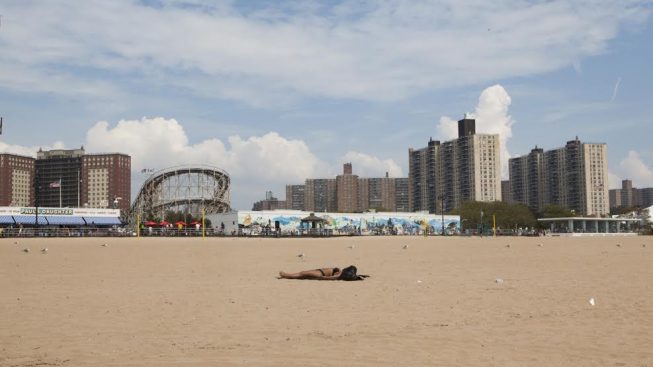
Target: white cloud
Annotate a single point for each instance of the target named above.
(268, 54)
(27, 151)
(365, 165)
(264, 162)
(491, 116)
(633, 168)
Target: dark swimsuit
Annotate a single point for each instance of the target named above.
(333, 271)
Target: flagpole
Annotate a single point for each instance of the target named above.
(60, 201)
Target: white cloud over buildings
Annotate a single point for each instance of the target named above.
(491, 114)
(632, 167)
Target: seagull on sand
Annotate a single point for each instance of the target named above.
(44, 250)
(405, 247)
(105, 245)
(301, 256)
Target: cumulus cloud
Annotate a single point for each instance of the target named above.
(491, 116)
(27, 151)
(369, 50)
(632, 167)
(259, 161)
(365, 165)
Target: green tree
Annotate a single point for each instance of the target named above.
(555, 211)
(506, 215)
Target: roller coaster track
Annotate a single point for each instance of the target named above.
(183, 188)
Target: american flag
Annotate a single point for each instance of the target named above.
(55, 184)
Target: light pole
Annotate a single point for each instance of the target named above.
(441, 197)
(481, 222)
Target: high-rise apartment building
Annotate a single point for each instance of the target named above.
(349, 193)
(630, 197)
(574, 177)
(347, 190)
(16, 180)
(320, 195)
(456, 171)
(527, 179)
(506, 196)
(295, 197)
(423, 176)
(106, 181)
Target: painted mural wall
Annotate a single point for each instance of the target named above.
(253, 222)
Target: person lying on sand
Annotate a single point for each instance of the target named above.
(348, 273)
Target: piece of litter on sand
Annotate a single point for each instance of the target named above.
(498, 281)
(44, 250)
(405, 247)
(105, 245)
(351, 246)
(618, 245)
(508, 246)
(301, 256)
(25, 250)
(540, 245)
(643, 245)
(592, 302)
(419, 281)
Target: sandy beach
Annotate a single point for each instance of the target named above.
(441, 301)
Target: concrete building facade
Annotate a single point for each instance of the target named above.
(295, 197)
(573, 177)
(347, 190)
(320, 195)
(630, 197)
(16, 180)
(527, 179)
(456, 171)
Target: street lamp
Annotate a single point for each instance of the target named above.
(441, 197)
(481, 222)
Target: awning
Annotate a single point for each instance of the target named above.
(102, 221)
(6, 219)
(65, 220)
(29, 219)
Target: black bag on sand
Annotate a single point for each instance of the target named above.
(349, 274)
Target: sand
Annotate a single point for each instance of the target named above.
(217, 302)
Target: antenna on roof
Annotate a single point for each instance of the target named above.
(0, 125)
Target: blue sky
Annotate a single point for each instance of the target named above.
(276, 92)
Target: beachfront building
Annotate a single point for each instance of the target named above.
(106, 181)
(295, 197)
(526, 183)
(49, 218)
(72, 178)
(350, 193)
(451, 173)
(630, 197)
(573, 177)
(347, 190)
(16, 180)
(320, 195)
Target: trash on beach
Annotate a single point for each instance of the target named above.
(498, 281)
(25, 250)
(301, 256)
(105, 245)
(419, 281)
(592, 302)
(351, 246)
(618, 245)
(508, 246)
(405, 247)
(540, 245)
(643, 245)
(44, 250)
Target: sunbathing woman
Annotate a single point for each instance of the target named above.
(317, 274)
(348, 273)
